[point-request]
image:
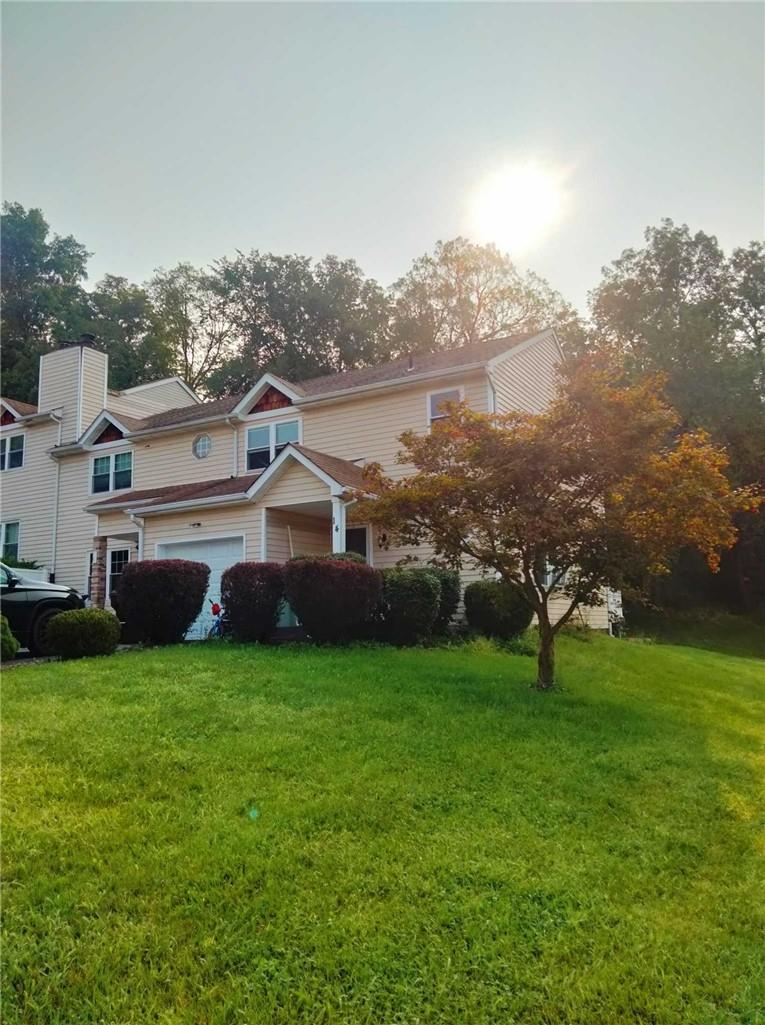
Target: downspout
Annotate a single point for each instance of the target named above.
(235, 428)
(139, 522)
(54, 537)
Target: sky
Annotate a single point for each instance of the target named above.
(161, 132)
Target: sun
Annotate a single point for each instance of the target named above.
(517, 206)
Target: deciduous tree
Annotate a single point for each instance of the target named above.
(561, 502)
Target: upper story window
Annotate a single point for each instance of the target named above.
(202, 446)
(112, 473)
(12, 452)
(9, 540)
(266, 442)
(438, 400)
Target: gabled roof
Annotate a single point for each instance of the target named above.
(18, 407)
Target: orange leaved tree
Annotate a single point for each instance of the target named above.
(559, 503)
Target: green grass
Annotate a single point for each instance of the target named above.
(435, 841)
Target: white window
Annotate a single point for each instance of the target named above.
(112, 473)
(438, 400)
(266, 442)
(202, 446)
(118, 559)
(12, 452)
(9, 540)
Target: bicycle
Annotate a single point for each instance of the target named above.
(218, 628)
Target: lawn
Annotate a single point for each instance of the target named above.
(273, 837)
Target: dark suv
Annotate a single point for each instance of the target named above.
(29, 606)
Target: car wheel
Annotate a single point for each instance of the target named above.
(38, 644)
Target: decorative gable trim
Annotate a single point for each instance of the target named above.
(110, 433)
(271, 399)
(8, 416)
(94, 434)
(267, 383)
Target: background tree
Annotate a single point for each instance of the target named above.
(298, 318)
(195, 322)
(464, 293)
(42, 296)
(563, 501)
(678, 306)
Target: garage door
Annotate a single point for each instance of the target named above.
(218, 554)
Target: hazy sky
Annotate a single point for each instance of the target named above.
(162, 132)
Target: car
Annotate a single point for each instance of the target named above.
(29, 605)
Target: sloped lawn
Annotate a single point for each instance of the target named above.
(229, 835)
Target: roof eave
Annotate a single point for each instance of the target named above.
(398, 382)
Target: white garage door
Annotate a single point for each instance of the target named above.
(218, 554)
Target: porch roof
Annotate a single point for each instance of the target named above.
(345, 474)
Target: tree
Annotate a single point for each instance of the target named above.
(563, 501)
(297, 318)
(127, 327)
(42, 296)
(464, 293)
(678, 306)
(195, 321)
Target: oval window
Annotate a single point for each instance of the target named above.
(202, 446)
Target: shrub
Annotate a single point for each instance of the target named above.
(83, 632)
(331, 597)
(496, 609)
(449, 598)
(409, 605)
(159, 599)
(8, 643)
(252, 595)
(334, 557)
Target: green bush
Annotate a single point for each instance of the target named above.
(8, 643)
(83, 632)
(497, 609)
(410, 603)
(333, 556)
(13, 563)
(449, 599)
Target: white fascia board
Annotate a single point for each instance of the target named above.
(260, 386)
(274, 469)
(543, 336)
(103, 417)
(186, 503)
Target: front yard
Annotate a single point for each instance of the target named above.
(231, 835)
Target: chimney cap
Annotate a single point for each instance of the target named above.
(86, 340)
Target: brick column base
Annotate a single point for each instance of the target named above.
(98, 573)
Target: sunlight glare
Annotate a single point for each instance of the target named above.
(517, 206)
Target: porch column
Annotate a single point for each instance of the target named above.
(98, 573)
(338, 524)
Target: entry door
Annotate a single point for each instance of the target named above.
(218, 554)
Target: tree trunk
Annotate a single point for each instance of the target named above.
(546, 659)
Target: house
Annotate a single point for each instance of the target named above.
(93, 478)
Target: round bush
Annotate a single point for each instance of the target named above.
(82, 632)
(8, 643)
(159, 599)
(497, 609)
(331, 597)
(252, 594)
(409, 605)
(449, 598)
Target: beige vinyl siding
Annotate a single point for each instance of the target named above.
(60, 387)
(369, 426)
(526, 380)
(168, 458)
(76, 528)
(295, 484)
(241, 519)
(157, 398)
(28, 493)
(94, 370)
(310, 535)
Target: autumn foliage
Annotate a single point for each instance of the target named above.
(562, 502)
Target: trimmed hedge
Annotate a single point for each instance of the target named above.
(331, 597)
(449, 599)
(252, 594)
(159, 599)
(410, 605)
(497, 609)
(334, 556)
(8, 643)
(82, 632)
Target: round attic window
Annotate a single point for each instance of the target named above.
(202, 446)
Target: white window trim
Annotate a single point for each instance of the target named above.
(7, 438)
(109, 553)
(460, 388)
(271, 425)
(3, 526)
(111, 457)
(198, 437)
(286, 412)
